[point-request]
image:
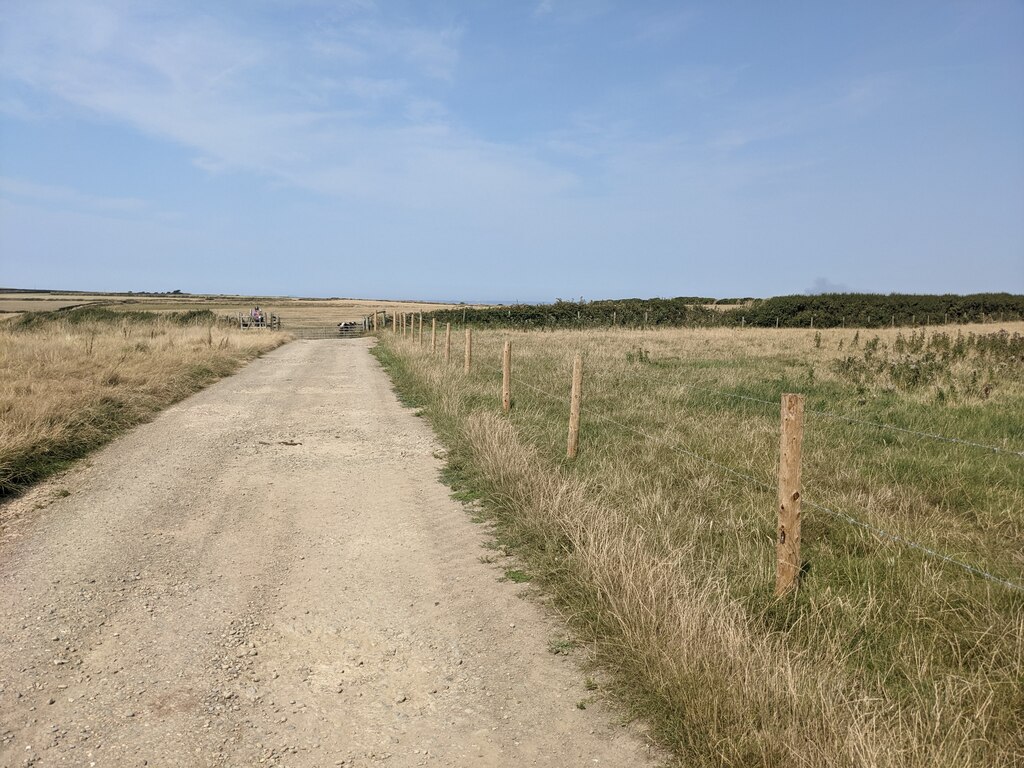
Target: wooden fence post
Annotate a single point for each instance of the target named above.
(574, 406)
(421, 329)
(787, 543)
(506, 377)
(433, 335)
(447, 342)
(469, 350)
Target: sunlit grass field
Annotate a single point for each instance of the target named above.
(69, 383)
(658, 540)
(293, 311)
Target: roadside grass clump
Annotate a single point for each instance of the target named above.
(72, 380)
(662, 560)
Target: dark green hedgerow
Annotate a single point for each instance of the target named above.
(834, 310)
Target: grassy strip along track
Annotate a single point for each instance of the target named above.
(72, 380)
(664, 562)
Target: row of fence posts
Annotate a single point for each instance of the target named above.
(400, 318)
(787, 540)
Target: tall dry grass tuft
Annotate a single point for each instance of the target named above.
(884, 658)
(68, 384)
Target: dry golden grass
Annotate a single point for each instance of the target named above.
(40, 304)
(295, 312)
(66, 387)
(664, 561)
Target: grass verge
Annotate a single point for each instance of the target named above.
(72, 380)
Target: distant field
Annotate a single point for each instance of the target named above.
(293, 312)
(22, 304)
(658, 542)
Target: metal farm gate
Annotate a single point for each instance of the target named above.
(348, 330)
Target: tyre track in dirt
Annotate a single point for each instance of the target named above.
(211, 595)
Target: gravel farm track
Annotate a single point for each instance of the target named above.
(271, 573)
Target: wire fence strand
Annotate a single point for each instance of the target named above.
(895, 537)
(849, 519)
(862, 422)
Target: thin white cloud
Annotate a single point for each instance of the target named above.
(16, 108)
(244, 103)
(66, 197)
(431, 53)
(543, 8)
(663, 27)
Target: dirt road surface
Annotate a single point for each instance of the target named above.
(270, 573)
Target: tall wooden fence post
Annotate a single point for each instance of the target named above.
(421, 329)
(447, 342)
(506, 377)
(574, 406)
(787, 543)
(433, 336)
(469, 350)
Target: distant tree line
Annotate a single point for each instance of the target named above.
(829, 310)
(872, 310)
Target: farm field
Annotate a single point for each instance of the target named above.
(294, 311)
(904, 644)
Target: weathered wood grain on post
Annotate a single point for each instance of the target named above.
(469, 351)
(506, 377)
(447, 342)
(575, 400)
(787, 542)
(433, 336)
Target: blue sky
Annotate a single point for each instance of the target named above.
(510, 151)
